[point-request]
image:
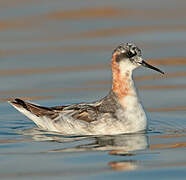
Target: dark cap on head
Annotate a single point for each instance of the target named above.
(127, 50)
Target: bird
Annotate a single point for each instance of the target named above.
(119, 112)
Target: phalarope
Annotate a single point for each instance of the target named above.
(118, 112)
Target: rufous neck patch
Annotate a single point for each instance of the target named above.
(121, 84)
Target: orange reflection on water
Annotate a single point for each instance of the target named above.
(168, 145)
(110, 32)
(114, 12)
(167, 109)
(28, 71)
(25, 71)
(27, 91)
(84, 13)
(123, 165)
(165, 87)
(27, 98)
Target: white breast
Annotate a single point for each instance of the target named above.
(133, 116)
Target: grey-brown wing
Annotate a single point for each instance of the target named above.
(84, 112)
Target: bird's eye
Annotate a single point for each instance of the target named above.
(130, 54)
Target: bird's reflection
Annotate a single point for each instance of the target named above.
(116, 144)
(127, 165)
(122, 145)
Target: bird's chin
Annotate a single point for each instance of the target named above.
(136, 64)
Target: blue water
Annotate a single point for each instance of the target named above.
(58, 52)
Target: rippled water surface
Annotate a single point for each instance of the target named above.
(58, 52)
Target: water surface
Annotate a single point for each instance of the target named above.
(58, 52)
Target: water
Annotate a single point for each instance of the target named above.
(58, 52)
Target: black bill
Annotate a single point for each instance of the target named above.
(143, 63)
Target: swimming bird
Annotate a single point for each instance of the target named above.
(119, 112)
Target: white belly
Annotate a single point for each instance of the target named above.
(129, 121)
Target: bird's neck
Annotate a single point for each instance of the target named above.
(123, 85)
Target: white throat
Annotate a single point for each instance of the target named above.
(126, 66)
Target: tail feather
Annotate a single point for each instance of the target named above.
(19, 102)
(40, 115)
(36, 109)
(33, 108)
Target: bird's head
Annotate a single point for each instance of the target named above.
(128, 57)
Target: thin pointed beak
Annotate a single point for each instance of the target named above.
(143, 63)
